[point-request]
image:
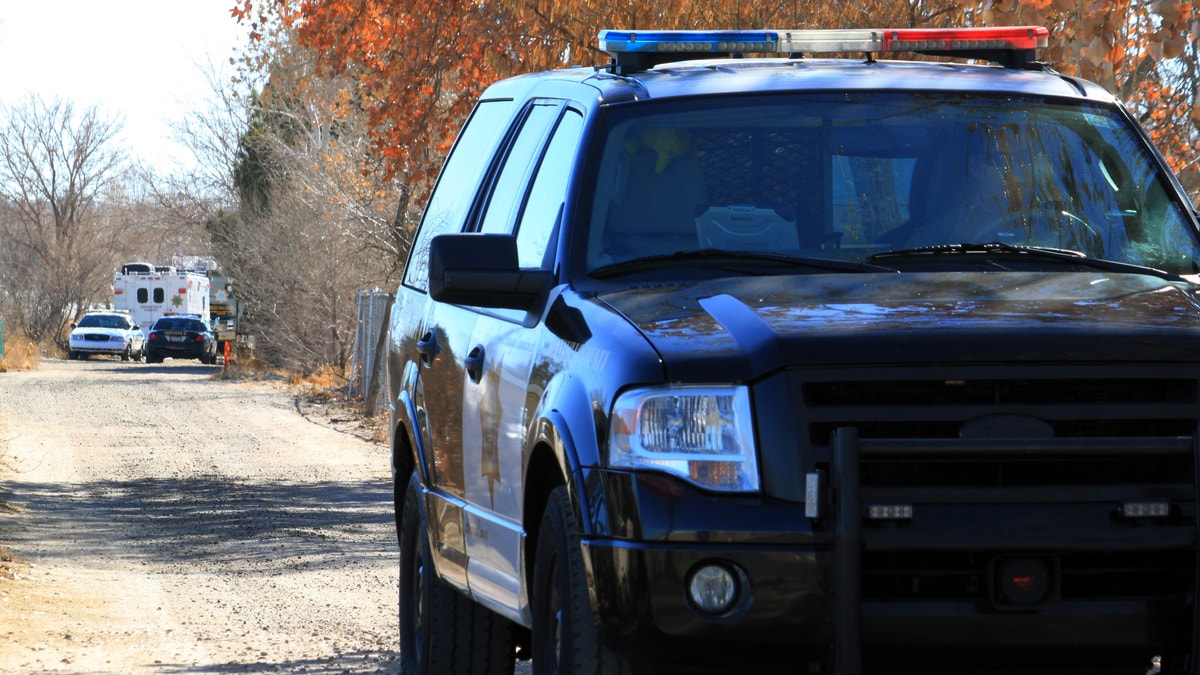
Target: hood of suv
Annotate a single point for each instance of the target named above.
(741, 328)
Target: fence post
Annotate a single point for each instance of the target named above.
(373, 309)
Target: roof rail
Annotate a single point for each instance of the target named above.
(633, 51)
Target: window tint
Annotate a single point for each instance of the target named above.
(143, 295)
(455, 191)
(548, 193)
(158, 295)
(509, 190)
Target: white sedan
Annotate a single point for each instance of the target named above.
(110, 332)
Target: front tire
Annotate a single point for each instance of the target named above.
(442, 631)
(565, 635)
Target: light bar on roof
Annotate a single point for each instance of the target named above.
(956, 39)
(823, 41)
(689, 41)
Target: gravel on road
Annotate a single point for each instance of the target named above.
(166, 520)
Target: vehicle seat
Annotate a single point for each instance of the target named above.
(657, 204)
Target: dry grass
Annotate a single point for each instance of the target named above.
(19, 353)
(244, 365)
(327, 378)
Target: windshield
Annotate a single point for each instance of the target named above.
(178, 324)
(103, 321)
(850, 176)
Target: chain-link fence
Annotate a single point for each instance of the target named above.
(373, 306)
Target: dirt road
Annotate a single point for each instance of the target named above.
(168, 521)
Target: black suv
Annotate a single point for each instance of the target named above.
(800, 364)
(181, 336)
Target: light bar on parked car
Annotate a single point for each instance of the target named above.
(634, 50)
(823, 41)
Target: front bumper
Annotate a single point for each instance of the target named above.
(817, 591)
(95, 346)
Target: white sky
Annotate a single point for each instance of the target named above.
(141, 60)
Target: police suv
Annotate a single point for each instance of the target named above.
(800, 363)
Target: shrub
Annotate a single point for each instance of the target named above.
(20, 353)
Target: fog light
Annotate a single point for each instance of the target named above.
(713, 589)
(890, 511)
(1146, 509)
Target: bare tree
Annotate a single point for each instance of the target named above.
(58, 230)
(312, 214)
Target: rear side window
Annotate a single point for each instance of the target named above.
(548, 192)
(455, 190)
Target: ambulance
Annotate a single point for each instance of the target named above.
(149, 292)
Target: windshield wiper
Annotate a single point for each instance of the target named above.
(1040, 253)
(739, 261)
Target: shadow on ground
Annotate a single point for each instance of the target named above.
(253, 527)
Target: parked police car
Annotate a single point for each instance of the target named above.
(111, 332)
(799, 364)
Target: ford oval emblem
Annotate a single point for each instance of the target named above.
(1006, 426)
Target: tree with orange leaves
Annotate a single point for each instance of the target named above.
(1144, 52)
(419, 66)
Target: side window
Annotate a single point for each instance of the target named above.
(508, 192)
(455, 190)
(548, 193)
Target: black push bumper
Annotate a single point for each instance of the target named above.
(1028, 577)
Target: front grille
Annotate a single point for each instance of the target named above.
(1022, 461)
(1074, 407)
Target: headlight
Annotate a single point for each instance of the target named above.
(702, 434)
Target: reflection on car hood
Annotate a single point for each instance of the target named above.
(741, 328)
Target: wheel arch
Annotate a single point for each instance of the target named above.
(404, 455)
(553, 461)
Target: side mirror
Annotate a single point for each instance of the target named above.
(481, 270)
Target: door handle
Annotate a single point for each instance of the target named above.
(428, 348)
(474, 363)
